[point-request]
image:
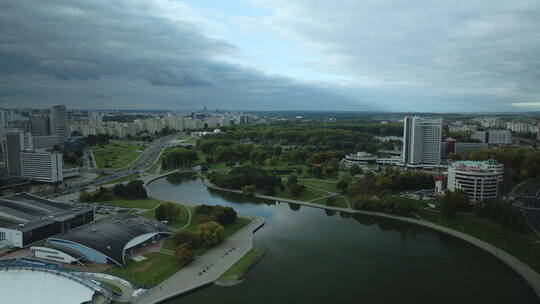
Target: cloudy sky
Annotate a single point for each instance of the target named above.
(387, 55)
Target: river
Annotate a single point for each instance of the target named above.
(316, 256)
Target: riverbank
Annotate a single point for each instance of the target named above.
(526, 272)
(206, 269)
(240, 269)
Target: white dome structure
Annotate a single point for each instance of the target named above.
(28, 285)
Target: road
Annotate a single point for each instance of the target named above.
(143, 162)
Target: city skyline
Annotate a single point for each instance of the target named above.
(250, 55)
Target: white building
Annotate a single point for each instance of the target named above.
(481, 180)
(498, 137)
(359, 158)
(421, 141)
(42, 166)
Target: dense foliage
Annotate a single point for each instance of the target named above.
(179, 157)
(519, 164)
(221, 214)
(244, 176)
(167, 211)
(390, 204)
(391, 181)
(502, 212)
(132, 190)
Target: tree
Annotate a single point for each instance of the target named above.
(172, 211)
(317, 171)
(460, 199)
(331, 201)
(296, 190)
(160, 213)
(210, 233)
(183, 254)
(447, 206)
(249, 190)
(341, 185)
(85, 197)
(293, 179)
(185, 236)
(355, 170)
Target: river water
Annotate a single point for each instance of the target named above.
(316, 256)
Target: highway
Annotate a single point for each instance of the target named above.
(145, 160)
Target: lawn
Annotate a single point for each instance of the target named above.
(327, 185)
(155, 269)
(307, 195)
(340, 202)
(116, 154)
(133, 203)
(242, 267)
(525, 247)
(111, 286)
(176, 224)
(123, 179)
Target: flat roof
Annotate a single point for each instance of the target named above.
(25, 211)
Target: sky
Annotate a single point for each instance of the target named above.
(341, 55)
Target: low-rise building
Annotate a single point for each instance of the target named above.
(42, 166)
(481, 180)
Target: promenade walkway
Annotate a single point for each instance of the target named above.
(205, 269)
(529, 274)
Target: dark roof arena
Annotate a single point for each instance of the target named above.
(109, 236)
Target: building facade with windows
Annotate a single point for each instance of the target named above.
(481, 180)
(421, 141)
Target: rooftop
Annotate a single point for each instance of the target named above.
(111, 235)
(24, 211)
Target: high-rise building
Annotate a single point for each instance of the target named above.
(58, 123)
(13, 145)
(422, 141)
(39, 125)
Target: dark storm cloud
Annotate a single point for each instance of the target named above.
(108, 46)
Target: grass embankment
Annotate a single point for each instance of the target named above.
(240, 269)
(111, 286)
(524, 246)
(322, 184)
(155, 269)
(307, 195)
(340, 202)
(117, 154)
(128, 178)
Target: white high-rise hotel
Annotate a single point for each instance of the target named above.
(421, 141)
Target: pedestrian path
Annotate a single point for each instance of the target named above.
(207, 268)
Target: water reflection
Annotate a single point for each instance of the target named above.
(350, 258)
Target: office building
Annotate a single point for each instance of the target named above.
(495, 137)
(42, 166)
(421, 141)
(58, 123)
(481, 180)
(463, 149)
